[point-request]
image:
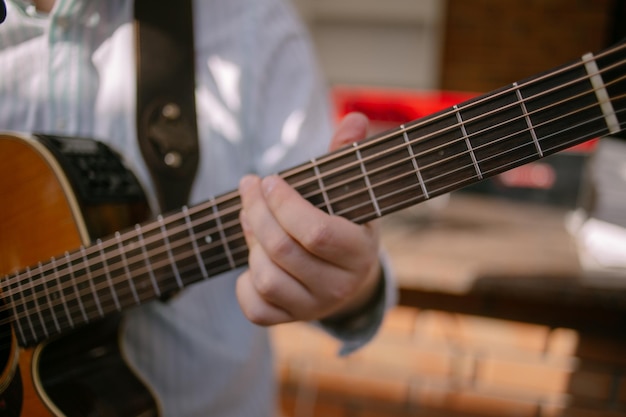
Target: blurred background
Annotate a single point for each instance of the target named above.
(512, 291)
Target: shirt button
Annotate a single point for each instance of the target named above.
(63, 23)
(92, 20)
(31, 10)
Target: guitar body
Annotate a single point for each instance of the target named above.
(43, 214)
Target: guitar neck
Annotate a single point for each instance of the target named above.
(518, 124)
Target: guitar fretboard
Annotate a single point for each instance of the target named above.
(521, 123)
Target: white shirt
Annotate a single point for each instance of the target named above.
(261, 108)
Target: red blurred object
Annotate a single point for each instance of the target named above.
(391, 107)
(394, 106)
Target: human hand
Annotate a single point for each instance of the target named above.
(304, 264)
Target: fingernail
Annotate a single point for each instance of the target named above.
(243, 219)
(268, 184)
(245, 182)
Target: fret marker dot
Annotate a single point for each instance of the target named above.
(208, 239)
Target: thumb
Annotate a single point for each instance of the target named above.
(352, 128)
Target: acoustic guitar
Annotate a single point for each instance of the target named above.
(77, 248)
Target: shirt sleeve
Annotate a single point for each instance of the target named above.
(289, 118)
(357, 330)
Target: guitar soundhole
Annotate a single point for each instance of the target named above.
(11, 397)
(84, 374)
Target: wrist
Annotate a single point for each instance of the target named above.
(351, 316)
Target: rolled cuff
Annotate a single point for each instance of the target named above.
(357, 330)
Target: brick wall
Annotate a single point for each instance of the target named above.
(491, 43)
(433, 364)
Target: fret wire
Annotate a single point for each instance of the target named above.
(434, 191)
(220, 229)
(16, 314)
(91, 250)
(320, 183)
(507, 151)
(142, 259)
(36, 303)
(167, 288)
(163, 263)
(85, 304)
(413, 158)
(27, 315)
(468, 144)
(574, 65)
(366, 178)
(169, 252)
(194, 243)
(126, 269)
(209, 204)
(146, 260)
(535, 96)
(392, 179)
(107, 273)
(482, 132)
(498, 125)
(453, 185)
(91, 283)
(55, 270)
(74, 285)
(487, 98)
(529, 123)
(115, 253)
(52, 311)
(122, 293)
(455, 156)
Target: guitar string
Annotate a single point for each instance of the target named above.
(189, 252)
(490, 97)
(40, 267)
(344, 197)
(447, 129)
(430, 150)
(528, 98)
(574, 140)
(8, 333)
(438, 161)
(421, 139)
(81, 256)
(480, 100)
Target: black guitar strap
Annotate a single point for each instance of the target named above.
(166, 112)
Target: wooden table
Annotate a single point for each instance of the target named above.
(508, 259)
